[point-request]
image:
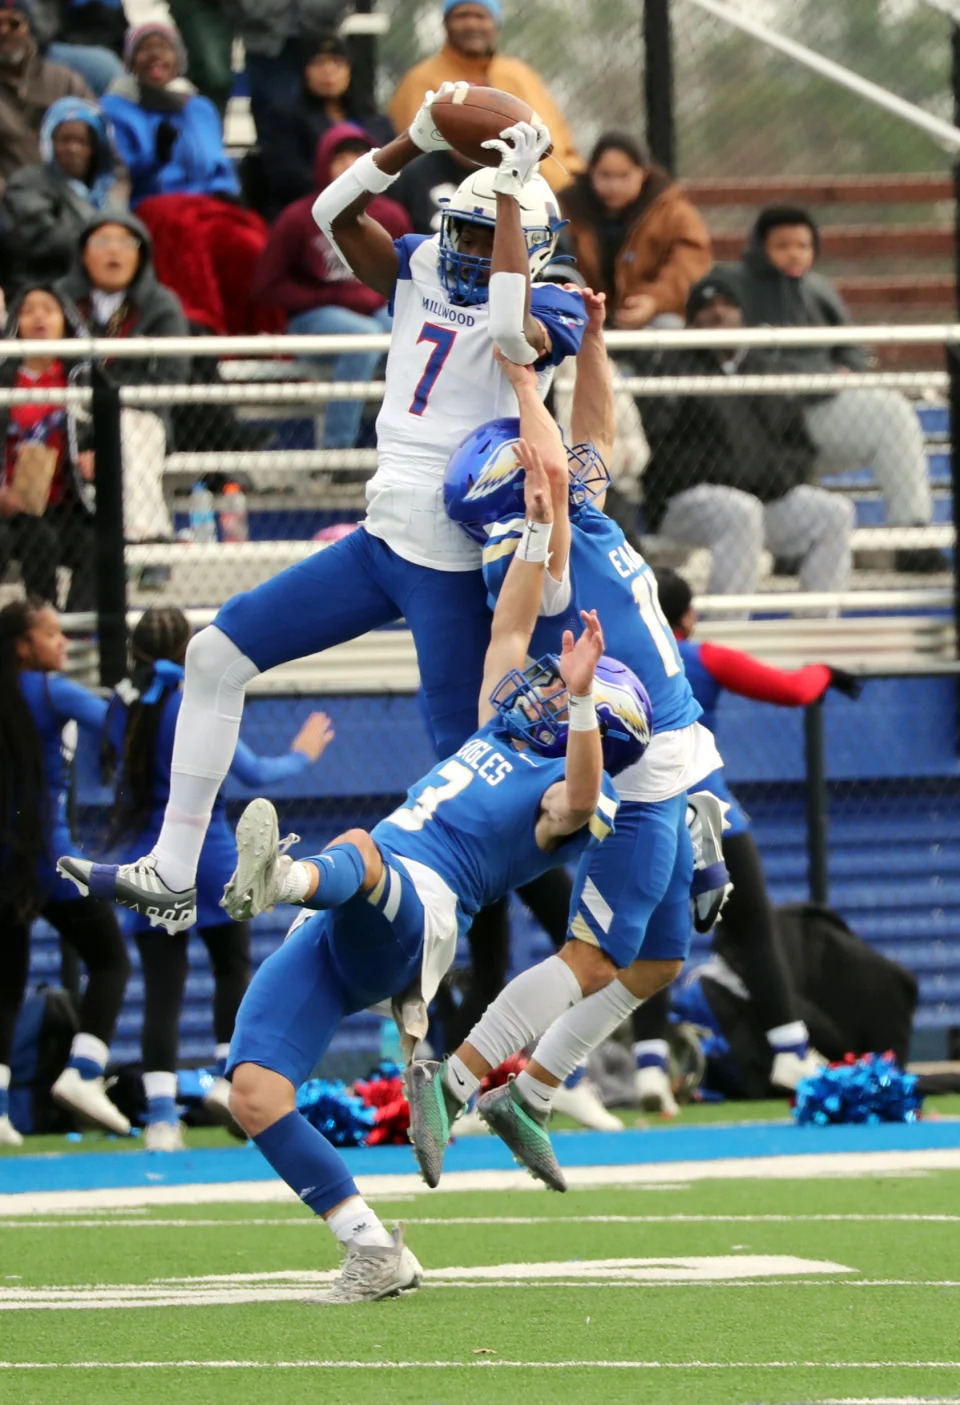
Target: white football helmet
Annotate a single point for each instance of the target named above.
(465, 276)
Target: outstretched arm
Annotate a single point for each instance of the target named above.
(518, 603)
(568, 806)
(518, 334)
(540, 431)
(340, 210)
(593, 417)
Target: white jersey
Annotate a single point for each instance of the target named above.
(442, 382)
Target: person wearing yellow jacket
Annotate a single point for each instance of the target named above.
(470, 54)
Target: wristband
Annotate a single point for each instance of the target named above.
(582, 712)
(535, 542)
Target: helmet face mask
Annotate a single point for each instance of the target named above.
(532, 704)
(589, 475)
(466, 276)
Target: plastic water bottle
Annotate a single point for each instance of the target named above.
(234, 523)
(203, 520)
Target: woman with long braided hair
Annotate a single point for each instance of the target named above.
(36, 702)
(140, 726)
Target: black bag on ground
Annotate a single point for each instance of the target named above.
(852, 998)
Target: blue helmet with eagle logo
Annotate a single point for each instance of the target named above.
(483, 482)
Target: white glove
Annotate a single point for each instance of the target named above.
(422, 131)
(520, 148)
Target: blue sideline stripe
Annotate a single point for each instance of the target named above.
(95, 1171)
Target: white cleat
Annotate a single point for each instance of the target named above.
(87, 1099)
(654, 1092)
(789, 1070)
(164, 1136)
(9, 1136)
(584, 1104)
(217, 1103)
(257, 881)
(369, 1273)
(135, 885)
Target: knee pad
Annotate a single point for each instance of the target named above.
(217, 672)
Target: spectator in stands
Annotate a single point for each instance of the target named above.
(114, 286)
(29, 83)
(302, 274)
(635, 234)
(271, 40)
(730, 471)
(43, 208)
(470, 53)
(851, 429)
(46, 500)
(183, 185)
(85, 35)
(208, 35)
(290, 129)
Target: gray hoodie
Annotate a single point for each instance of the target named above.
(772, 299)
(149, 309)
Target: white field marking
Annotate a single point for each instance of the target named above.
(487, 1365)
(214, 1289)
(826, 1165)
(444, 1220)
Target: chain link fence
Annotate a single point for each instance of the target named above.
(192, 540)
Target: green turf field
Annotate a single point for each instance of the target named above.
(754, 1291)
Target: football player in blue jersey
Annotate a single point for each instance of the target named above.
(630, 919)
(525, 791)
(454, 298)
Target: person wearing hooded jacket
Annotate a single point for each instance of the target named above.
(301, 273)
(43, 208)
(113, 284)
(851, 429)
(328, 94)
(62, 533)
(730, 472)
(183, 185)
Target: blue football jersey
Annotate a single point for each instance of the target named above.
(608, 576)
(472, 818)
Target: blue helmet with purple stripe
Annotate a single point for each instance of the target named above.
(532, 704)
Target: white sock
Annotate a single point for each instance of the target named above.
(458, 1078)
(524, 1009)
(221, 1052)
(793, 1036)
(88, 1046)
(648, 1053)
(206, 738)
(296, 882)
(160, 1085)
(4, 1076)
(354, 1220)
(538, 1094)
(576, 1034)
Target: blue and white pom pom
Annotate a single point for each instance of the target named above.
(871, 1089)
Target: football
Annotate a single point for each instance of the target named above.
(472, 117)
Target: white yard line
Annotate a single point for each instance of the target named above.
(65, 1222)
(821, 1166)
(488, 1364)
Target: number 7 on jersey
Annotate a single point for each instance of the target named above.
(442, 339)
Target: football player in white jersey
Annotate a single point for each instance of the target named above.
(456, 297)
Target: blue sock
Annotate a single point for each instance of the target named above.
(342, 871)
(652, 1053)
(4, 1102)
(162, 1110)
(575, 1077)
(87, 1068)
(304, 1158)
(790, 1038)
